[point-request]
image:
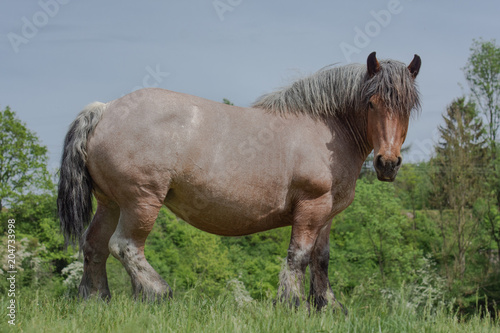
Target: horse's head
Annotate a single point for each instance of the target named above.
(390, 95)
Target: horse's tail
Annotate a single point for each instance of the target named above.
(74, 198)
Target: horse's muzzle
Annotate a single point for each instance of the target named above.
(387, 169)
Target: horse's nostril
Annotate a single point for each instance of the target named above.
(399, 162)
(378, 162)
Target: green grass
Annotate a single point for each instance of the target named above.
(38, 312)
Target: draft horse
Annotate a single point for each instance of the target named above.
(292, 159)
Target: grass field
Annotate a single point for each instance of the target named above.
(38, 312)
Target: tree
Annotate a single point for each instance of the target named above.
(482, 72)
(483, 75)
(22, 159)
(459, 178)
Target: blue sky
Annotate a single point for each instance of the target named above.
(59, 55)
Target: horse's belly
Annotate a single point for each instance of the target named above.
(236, 226)
(228, 217)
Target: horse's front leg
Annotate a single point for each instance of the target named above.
(320, 291)
(310, 217)
(291, 284)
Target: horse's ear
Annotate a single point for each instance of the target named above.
(414, 66)
(372, 64)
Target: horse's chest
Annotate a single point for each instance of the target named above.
(342, 195)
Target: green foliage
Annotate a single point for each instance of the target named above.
(32, 269)
(22, 160)
(426, 290)
(370, 239)
(257, 260)
(36, 216)
(29, 193)
(190, 257)
(413, 186)
(73, 273)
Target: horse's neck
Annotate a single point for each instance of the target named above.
(351, 134)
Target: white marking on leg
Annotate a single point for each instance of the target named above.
(292, 280)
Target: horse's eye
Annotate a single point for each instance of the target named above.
(370, 105)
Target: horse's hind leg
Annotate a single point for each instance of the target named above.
(96, 252)
(320, 292)
(127, 245)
